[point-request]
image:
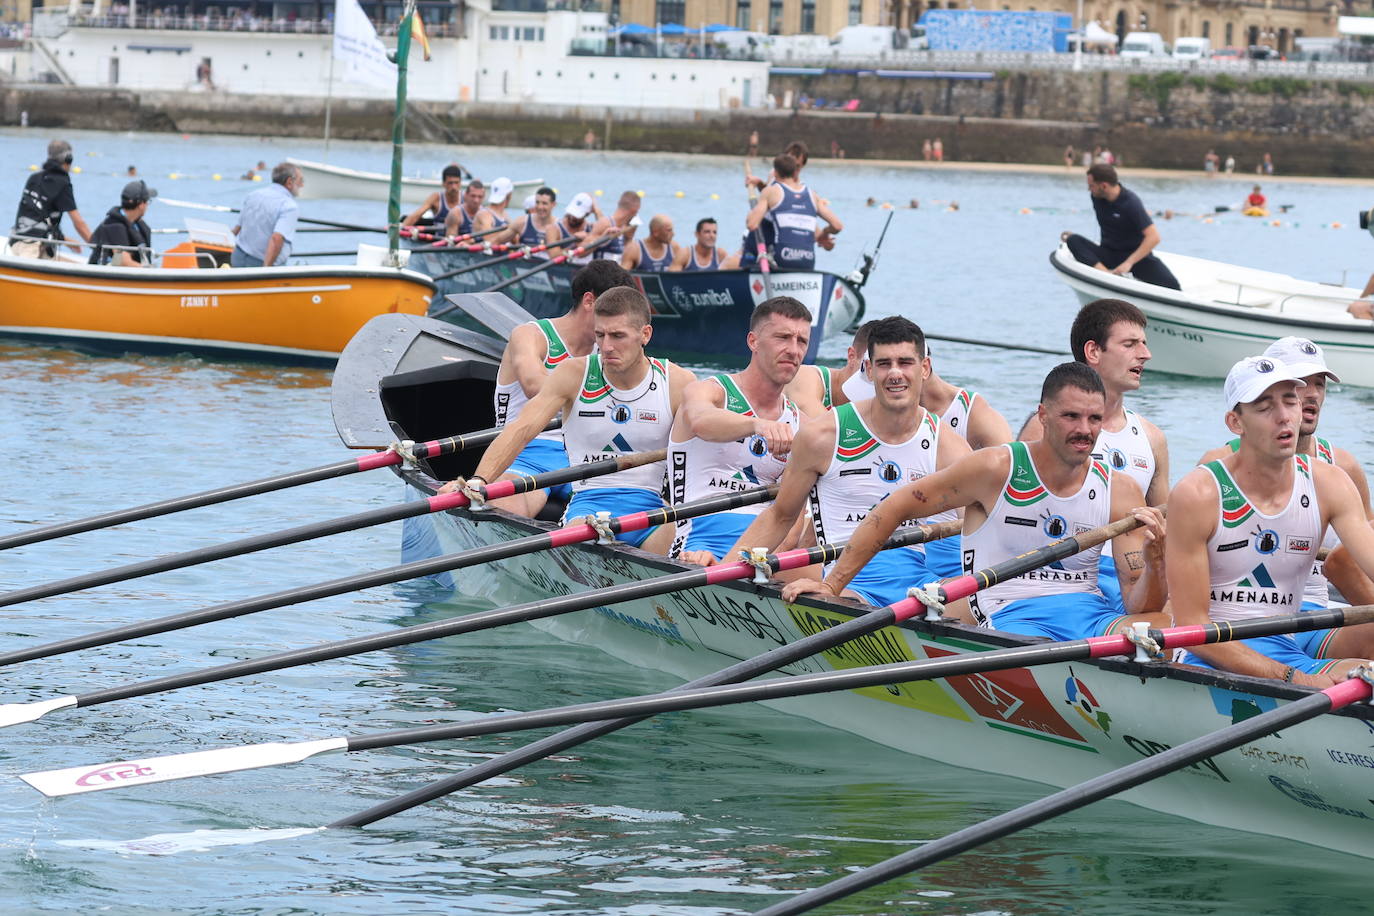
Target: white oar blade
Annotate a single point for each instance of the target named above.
(18, 713)
(166, 844)
(99, 777)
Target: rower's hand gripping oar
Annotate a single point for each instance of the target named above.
(69, 782)
(397, 454)
(517, 254)
(496, 490)
(575, 533)
(1354, 690)
(577, 253)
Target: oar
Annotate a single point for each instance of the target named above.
(241, 758)
(577, 253)
(495, 490)
(1071, 799)
(441, 240)
(699, 694)
(387, 458)
(574, 534)
(517, 254)
(997, 345)
(220, 208)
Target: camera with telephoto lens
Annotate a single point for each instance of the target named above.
(1367, 220)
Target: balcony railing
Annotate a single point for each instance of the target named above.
(215, 23)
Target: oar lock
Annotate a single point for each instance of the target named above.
(600, 522)
(1366, 674)
(406, 449)
(1147, 648)
(929, 595)
(757, 557)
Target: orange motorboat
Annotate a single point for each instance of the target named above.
(300, 314)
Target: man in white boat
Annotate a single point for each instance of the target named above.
(655, 253)
(734, 432)
(848, 460)
(123, 238)
(493, 215)
(1244, 531)
(1128, 233)
(534, 351)
(1109, 336)
(703, 254)
(817, 389)
(46, 197)
(1306, 359)
(266, 231)
(438, 205)
(459, 221)
(624, 220)
(793, 212)
(615, 401)
(1019, 497)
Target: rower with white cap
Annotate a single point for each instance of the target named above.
(493, 215)
(1244, 530)
(1306, 359)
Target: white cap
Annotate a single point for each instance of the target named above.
(580, 206)
(529, 203)
(1302, 356)
(501, 189)
(1252, 376)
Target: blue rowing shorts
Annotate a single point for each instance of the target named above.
(617, 501)
(1077, 615)
(885, 579)
(1316, 643)
(1283, 649)
(944, 558)
(539, 457)
(717, 533)
(1107, 582)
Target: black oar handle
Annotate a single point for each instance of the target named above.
(518, 278)
(515, 255)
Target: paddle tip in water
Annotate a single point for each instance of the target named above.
(166, 844)
(19, 713)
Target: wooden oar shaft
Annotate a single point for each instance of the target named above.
(505, 550)
(496, 490)
(1079, 796)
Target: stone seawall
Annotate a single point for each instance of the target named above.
(1158, 121)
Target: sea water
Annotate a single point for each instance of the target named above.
(690, 814)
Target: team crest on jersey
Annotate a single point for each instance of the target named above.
(889, 471)
(1266, 540)
(1116, 458)
(620, 414)
(1054, 525)
(757, 445)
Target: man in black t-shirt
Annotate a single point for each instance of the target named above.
(47, 195)
(124, 239)
(1128, 234)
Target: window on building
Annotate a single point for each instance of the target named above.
(529, 33)
(856, 12)
(672, 11)
(742, 14)
(774, 17)
(1230, 34)
(493, 33)
(1206, 28)
(808, 17)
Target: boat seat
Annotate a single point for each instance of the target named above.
(1245, 293)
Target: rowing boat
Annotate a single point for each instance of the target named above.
(700, 316)
(326, 182)
(1055, 724)
(1224, 313)
(298, 315)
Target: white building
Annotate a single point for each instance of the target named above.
(489, 55)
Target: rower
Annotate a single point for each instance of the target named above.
(493, 215)
(1109, 336)
(656, 253)
(536, 349)
(1020, 496)
(1244, 530)
(704, 255)
(817, 389)
(582, 220)
(1306, 359)
(536, 224)
(440, 202)
(792, 209)
(850, 459)
(734, 432)
(625, 220)
(615, 401)
(460, 220)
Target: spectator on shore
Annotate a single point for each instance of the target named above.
(1070, 156)
(937, 150)
(1230, 164)
(753, 150)
(1210, 163)
(1267, 166)
(926, 152)
(589, 140)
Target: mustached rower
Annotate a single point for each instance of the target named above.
(735, 432)
(438, 205)
(618, 400)
(851, 459)
(1021, 496)
(1245, 528)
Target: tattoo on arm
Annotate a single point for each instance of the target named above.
(1135, 560)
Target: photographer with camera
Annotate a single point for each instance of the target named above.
(1363, 307)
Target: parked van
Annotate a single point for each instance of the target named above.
(1144, 44)
(1193, 48)
(868, 40)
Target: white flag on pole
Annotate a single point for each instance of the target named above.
(358, 49)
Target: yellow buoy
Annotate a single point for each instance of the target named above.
(174, 176)
(257, 178)
(33, 168)
(715, 196)
(640, 193)
(679, 194)
(76, 168)
(215, 177)
(597, 192)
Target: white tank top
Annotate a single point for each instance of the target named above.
(698, 469)
(1026, 516)
(956, 414)
(606, 422)
(1128, 451)
(864, 470)
(510, 398)
(1260, 563)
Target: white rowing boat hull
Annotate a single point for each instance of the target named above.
(1225, 313)
(1056, 724)
(328, 182)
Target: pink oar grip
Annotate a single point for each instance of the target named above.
(378, 460)
(1347, 692)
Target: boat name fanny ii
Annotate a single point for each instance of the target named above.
(200, 302)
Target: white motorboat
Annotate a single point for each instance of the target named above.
(324, 182)
(1225, 312)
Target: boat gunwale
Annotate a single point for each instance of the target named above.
(164, 275)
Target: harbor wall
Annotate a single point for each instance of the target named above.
(1308, 128)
